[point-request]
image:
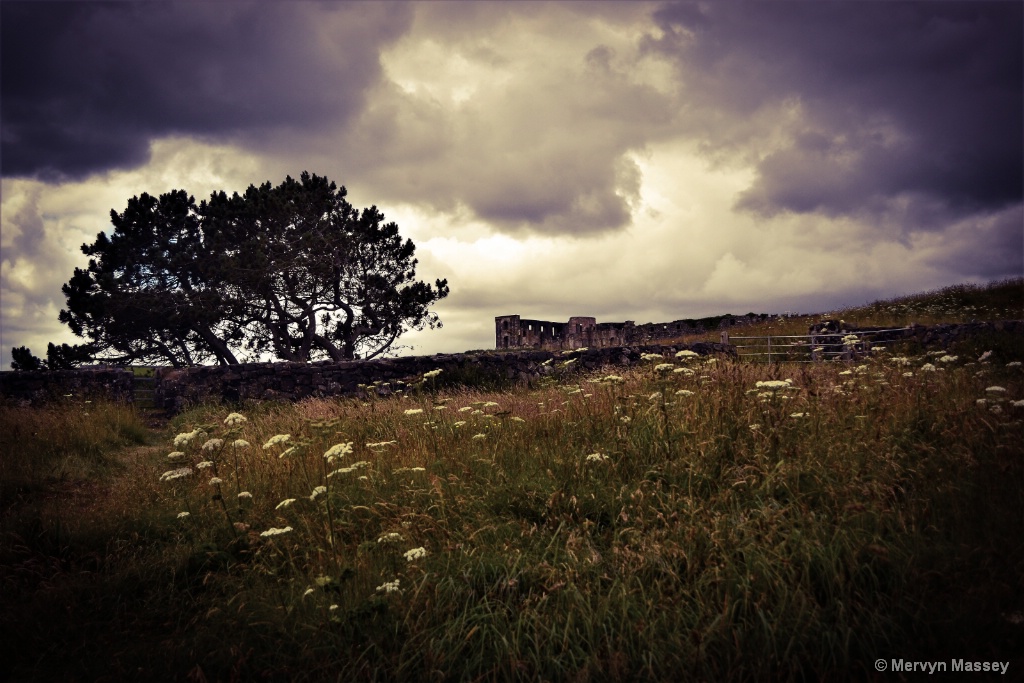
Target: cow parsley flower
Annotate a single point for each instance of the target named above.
(927, 367)
(414, 411)
(204, 465)
(240, 443)
(245, 495)
(664, 367)
(171, 475)
(432, 374)
(1018, 404)
(516, 418)
(479, 437)
(274, 531)
(415, 554)
(214, 481)
(798, 414)
(317, 492)
(597, 457)
(684, 392)
(774, 384)
(338, 450)
(687, 354)
(393, 537)
(186, 438)
(389, 587)
(651, 356)
(381, 444)
(284, 503)
(183, 515)
(276, 439)
(1013, 364)
(948, 359)
(175, 456)
(996, 390)
(235, 419)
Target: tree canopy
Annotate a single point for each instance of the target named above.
(293, 272)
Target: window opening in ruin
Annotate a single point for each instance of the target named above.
(506, 341)
(504, 324)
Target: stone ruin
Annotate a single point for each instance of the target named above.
(514, 332)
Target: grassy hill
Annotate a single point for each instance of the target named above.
(683, 521)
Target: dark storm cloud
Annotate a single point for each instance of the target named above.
(86, 86)
(890, 103)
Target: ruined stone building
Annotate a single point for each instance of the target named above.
(514, 332)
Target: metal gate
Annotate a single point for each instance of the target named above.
(810, 348)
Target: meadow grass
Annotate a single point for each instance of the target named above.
(678, 521)
(689, 519)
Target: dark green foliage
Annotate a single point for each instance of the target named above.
(293, 271)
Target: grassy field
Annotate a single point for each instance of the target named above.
(692, 519)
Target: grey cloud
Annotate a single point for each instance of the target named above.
(87, 85)
(894, 99)
(545, 152)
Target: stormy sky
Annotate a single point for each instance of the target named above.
(625, 160)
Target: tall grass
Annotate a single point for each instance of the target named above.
(678, 522)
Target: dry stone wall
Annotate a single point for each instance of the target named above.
(37, 388)
(177, 388)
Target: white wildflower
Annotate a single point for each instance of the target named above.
(175, 456)
(309, 591)
(774, 384)
(465, 409)
(235, 419)
(393, 537)
(240, 443)
(274, 531)
(317, 492)
(927, 367)
(245, 495)
(1018, 404)
(948, 359)
(664, 367)
(284, 503)
(597, 457)
(984, 357)
(414, 411)
(389, 587)
(686, 353)
(479, 437)
(171, 475)
(381, 444)
(995, 390)
(289, 452)
(277, 439)
(798, 414)
(204, 464)
(338, 450)
(183, 515)
(516, 418)
(415, 554)
(214, 481)
(684, 392)
(1013, 364)
(432, 374)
